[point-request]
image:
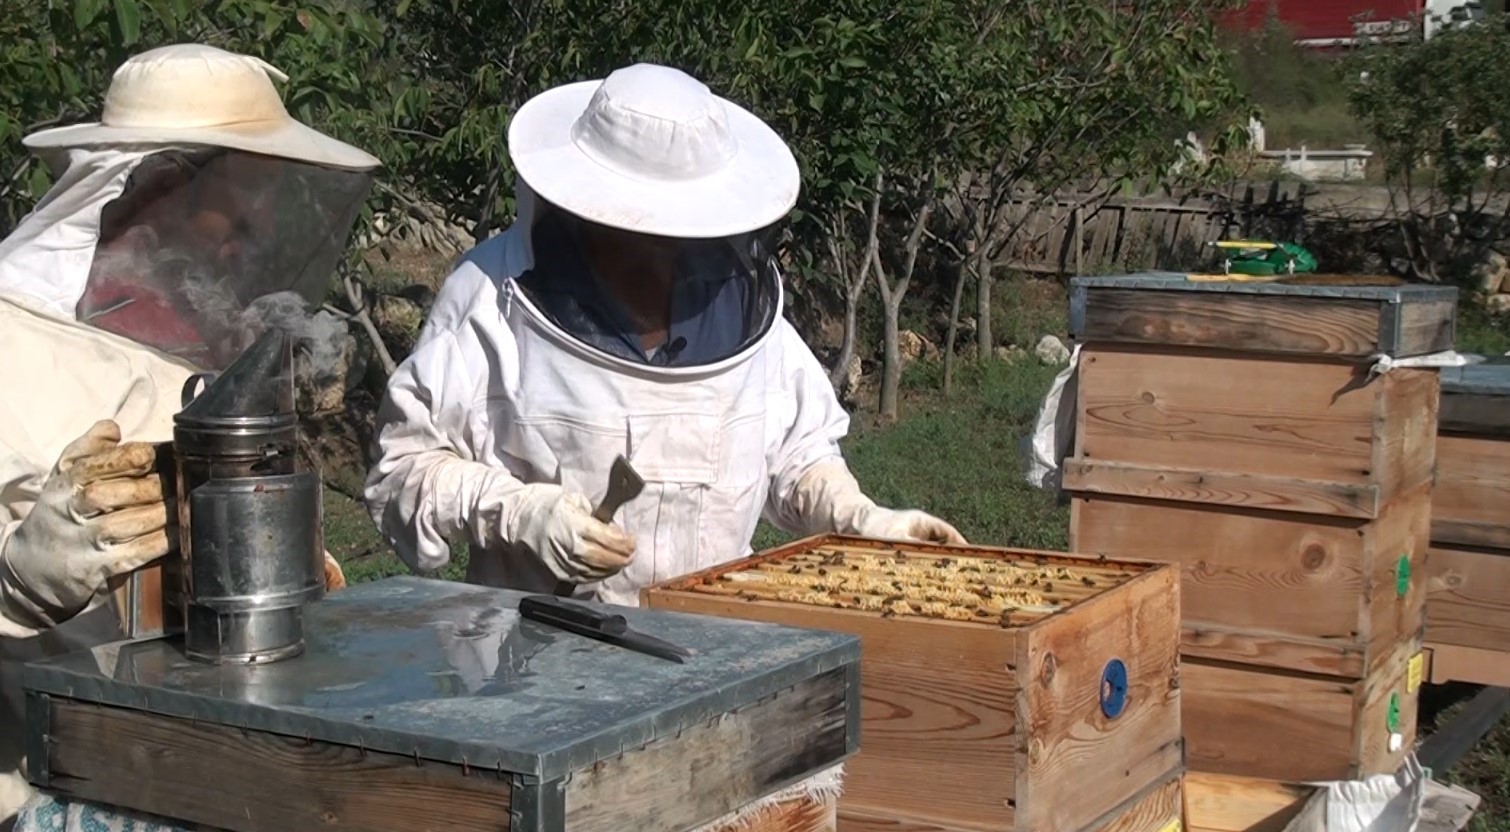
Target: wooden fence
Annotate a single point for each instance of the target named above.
(1079, 235)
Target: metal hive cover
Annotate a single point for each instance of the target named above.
(1491, 378)
(449, 672)
(1178, 282)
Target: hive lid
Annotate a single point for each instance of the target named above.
(449, 672)
(257, 387)
(1490, 378)
(1344, 322)
(1180, 282)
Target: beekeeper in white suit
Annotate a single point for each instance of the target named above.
(632, 308)
(194, 197)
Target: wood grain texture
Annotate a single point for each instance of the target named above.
(1405, 429)
(1153, 812)
(1265, 493)
(1221, 803)
(1401, 533)
(709, 770)
(1269, 649)
(1250, 722)
(1065, 738)
(1468, 597)
(1385, 692)
(1242, 721)
(1474, 535)
(1475, 666)
(262, 782)
(1473, 482)
(938, 696)
(852, 820)
(1426, 326)
(1296, 419)
(1246, 323)
(1295, 584)
(972, 703)
(791, 816)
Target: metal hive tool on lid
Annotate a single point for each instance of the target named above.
(249, 520)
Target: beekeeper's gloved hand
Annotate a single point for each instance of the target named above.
(335, 577)
(101, 513)
(557, 526)
(828, 499)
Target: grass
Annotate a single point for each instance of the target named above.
(958, 458)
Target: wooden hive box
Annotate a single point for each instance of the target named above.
(1468, 599)
(1222, 803)
(423, 702)
(1236, 429)
(997, 683)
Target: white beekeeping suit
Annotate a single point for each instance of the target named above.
(195, 209)
(542, 360)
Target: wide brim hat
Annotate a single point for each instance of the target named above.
(650, 149)
(191, 94)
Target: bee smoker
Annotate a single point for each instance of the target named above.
(250, 539)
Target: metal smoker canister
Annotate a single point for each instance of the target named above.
(249, 520)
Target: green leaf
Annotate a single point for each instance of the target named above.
(402, 9)
(38, 181)
(85, 11)
(272, 21)
(128, 15)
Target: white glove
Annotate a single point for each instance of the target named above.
(828, 499)
(557, 527)
(889, 524)
(101, 513)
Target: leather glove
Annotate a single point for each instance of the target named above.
(557, 527)
(101, 513)
(335, 578)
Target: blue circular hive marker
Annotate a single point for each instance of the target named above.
(1113, 688)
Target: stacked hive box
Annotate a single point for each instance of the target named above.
(1236, 429)
(1468, 600)
(423, 705)
(1001, 689)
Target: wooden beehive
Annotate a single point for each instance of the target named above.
(1468, 599)
(996, 683)
(1220, 803)
(1237, 429)
(424, 704)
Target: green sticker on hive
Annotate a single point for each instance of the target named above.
(1402, 576)
(1392, 718)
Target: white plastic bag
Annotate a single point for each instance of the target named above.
(1054, 432)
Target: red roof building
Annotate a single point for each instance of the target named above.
(1334, 22)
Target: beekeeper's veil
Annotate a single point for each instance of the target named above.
(193, 203)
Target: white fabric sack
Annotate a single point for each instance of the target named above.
(1054, 432)
(1381, 803)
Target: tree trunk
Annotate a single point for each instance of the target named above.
(954, 304)
(847, 342)
(891, 375)
(985, 341)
